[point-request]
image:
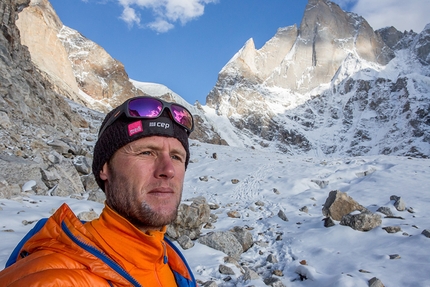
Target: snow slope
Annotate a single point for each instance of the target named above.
(335, 256)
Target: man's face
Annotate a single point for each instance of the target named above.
(144, 180)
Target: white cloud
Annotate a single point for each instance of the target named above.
(403, 15)
(166, 12)
(160, 25)
(130, 17)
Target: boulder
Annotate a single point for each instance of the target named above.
(339, 204)
(223, 241)
(363, 221)
(250, 274)
(88, 215)
(16, 171)
(281, 215)
(82, 164)
(385, 210)
(185, 242)
(97, 195)
(190, 219)
(225, 270)
(375, 282)
(63, 179)
(243, 236)
(399, 203)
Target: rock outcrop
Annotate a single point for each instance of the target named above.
(96, 72)
(363, 221)
(73, 62)
(33, 116)
(84, 72)
(39, 26)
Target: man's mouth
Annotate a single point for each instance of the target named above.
(161, 191)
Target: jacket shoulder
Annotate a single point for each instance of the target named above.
(49, 269)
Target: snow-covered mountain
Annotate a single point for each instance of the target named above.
(46, 143)
(332, 86)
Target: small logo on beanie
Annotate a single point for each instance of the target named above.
(159, 125)
(135, 128)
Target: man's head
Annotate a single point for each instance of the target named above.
(137, 118)
(141, 156)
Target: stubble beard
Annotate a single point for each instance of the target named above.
(121, 198)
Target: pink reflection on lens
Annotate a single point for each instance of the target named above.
(182, 116)
(145, 107)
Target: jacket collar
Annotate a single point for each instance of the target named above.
(118, 237)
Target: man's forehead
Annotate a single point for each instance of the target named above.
(157, 142)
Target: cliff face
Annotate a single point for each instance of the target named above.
(327, 36)
(39, 26)
(84, 72)
(27, 98)
(96, 72)
(39, 131)
(71, 62)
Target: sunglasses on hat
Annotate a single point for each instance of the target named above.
(151, 108)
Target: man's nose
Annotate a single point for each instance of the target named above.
(164, 167)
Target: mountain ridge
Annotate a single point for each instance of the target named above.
(316, 89)
(356, 59)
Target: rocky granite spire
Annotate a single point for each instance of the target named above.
(302, 59)
(326, 37)
(331, 86)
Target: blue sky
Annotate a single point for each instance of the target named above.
(183, 44)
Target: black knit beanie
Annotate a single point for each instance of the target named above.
(125, 130)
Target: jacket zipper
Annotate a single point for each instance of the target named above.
(99, 254)
(165, 259)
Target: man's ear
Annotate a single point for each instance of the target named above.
(104, 172)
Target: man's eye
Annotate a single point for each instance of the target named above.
(176, 157)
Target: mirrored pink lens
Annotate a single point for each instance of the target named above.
(145, 107)
(182, 116)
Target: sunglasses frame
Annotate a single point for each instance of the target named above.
(124, 109)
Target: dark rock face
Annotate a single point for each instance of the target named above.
(391, 36)
(422, 46)
(32, 115)
(27, 98)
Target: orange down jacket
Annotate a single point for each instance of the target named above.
(108, 251)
